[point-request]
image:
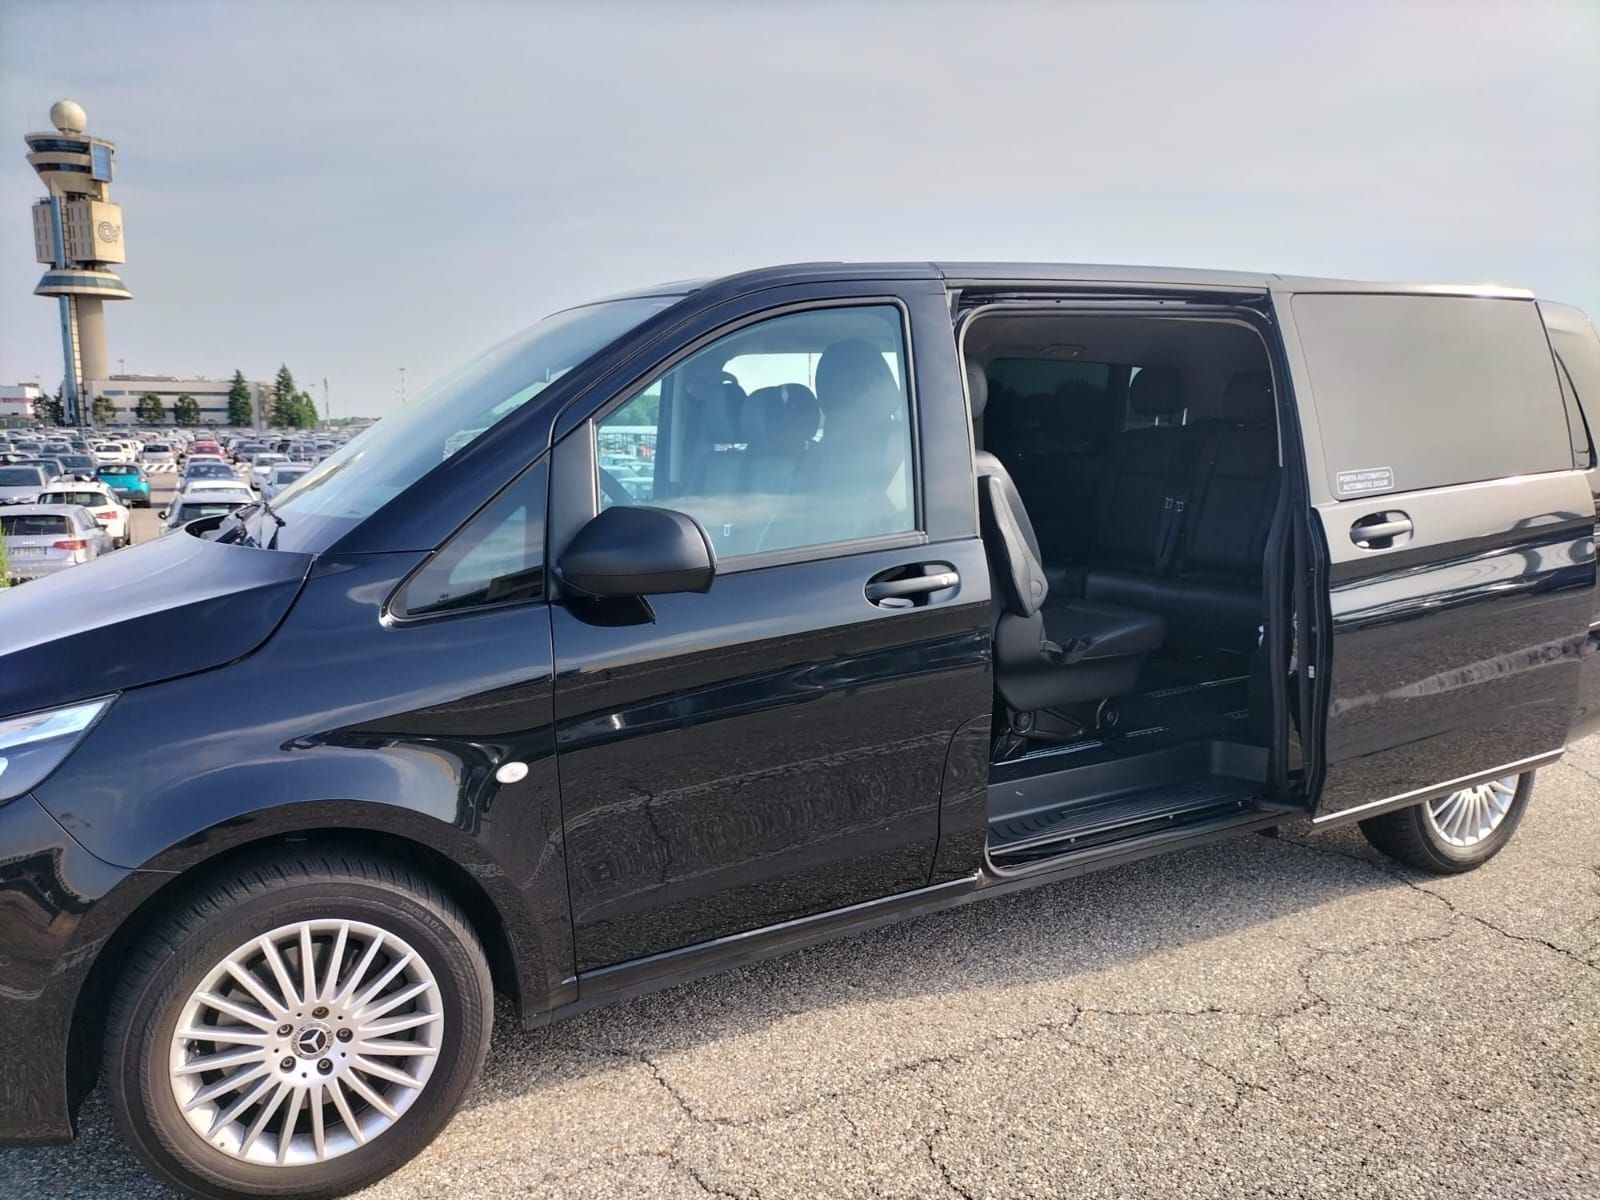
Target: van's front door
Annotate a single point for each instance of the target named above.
(1459, 564)
(773, 748)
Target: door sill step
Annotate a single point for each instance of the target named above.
(1029, 837)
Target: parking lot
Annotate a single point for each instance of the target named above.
(1263, 1017)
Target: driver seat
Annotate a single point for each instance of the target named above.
(1047, 655)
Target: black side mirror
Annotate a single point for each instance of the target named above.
(634, 550)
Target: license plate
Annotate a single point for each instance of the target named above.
(26, 552)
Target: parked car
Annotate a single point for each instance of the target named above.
(245, 452)
(52, 449)
(128, 481)
(109, 512)
(203, 500)
(111, 452)
(53, 468)
(159, 452)
(46, 539)
(21, 483)
(1233, 552)
(283, 474)
(205, 446)
(206, 467)
(261, 467)
(78, 466)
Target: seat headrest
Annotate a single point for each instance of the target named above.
(1247, 398)
(720, 401)
(783, 417)
(1157, 392)
(977, 388)
(853, 377)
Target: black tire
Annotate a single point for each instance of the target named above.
(1408, 836)
(255, 898)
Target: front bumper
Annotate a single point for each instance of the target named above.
(52, 925)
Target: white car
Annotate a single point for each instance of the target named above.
(160, 452)
(21, 482)
(283, 474)
(261, 467)
(111, 452)
(45, 539)
(199, 500)
(109, 513)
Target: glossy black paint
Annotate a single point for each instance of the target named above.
(165, 608)
(743, 771)
(768, 750)
(1455, 659)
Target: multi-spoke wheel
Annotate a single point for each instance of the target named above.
(1456, 832)
(301, 1029)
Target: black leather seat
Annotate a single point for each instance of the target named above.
(1210, 590)
(864, 441)
(778, 424)
(1047, 654)
(1149, 470)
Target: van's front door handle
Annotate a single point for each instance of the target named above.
(1380, 527)
(879, 590)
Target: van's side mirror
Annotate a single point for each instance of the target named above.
(634, 550)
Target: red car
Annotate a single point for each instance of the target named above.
(206, 448)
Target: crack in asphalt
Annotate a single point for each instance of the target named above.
(1454, 909)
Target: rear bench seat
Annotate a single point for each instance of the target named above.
(1184, 516)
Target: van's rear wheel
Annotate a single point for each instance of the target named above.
(1453, 833)
(299, 1029)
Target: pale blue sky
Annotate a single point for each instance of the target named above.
(351, 187)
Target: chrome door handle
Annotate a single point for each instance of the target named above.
(914, 585)
(1380, 527)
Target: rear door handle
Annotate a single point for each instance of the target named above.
(1379, 531)
(940, 577)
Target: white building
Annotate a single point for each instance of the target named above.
(211, 395)
(16, 402)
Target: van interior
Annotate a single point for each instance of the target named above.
(1129, 477)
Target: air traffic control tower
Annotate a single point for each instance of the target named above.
(78, 232)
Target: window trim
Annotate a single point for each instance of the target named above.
(733, 565)
(391, 615)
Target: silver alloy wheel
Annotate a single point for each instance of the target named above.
(306, 1042)
(1465, 818)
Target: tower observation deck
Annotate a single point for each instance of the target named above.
(77, 231)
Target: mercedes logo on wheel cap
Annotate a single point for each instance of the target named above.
(311, 1041)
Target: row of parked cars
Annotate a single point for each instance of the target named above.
(66, 495)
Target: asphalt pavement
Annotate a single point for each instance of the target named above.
(1273, 1017)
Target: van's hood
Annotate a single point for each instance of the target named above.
(169, 607)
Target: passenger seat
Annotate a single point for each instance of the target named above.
(1211, 589)
(1047, 656)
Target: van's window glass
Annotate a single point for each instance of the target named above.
(1428, 391)
(1047, 406)
(795, 431)
(375, 466)
(1579, 353)
(496, 558)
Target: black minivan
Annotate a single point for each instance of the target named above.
(712, 620)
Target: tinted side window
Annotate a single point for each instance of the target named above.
(496, 558)
(791, 432)
(1419, 392)
(1578, 351)
(1046, 406)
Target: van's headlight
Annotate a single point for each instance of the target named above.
(34, 744)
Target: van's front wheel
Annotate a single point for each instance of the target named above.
(301, 1028)
(1453, 833)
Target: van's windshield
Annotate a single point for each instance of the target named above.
(374, 467)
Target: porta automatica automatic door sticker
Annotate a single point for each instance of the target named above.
(1366, 481)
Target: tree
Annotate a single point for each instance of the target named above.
(305, 415)
(241, 413)
(50, 410)
(103, 411)
(150, 410)
(285, 403)
(186, 410)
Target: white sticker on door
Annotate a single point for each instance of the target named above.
(1365, 481)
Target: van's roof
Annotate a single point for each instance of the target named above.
(964, 274)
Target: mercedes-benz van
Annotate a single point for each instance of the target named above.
(712, 620)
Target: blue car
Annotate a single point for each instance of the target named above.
(128, 481)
